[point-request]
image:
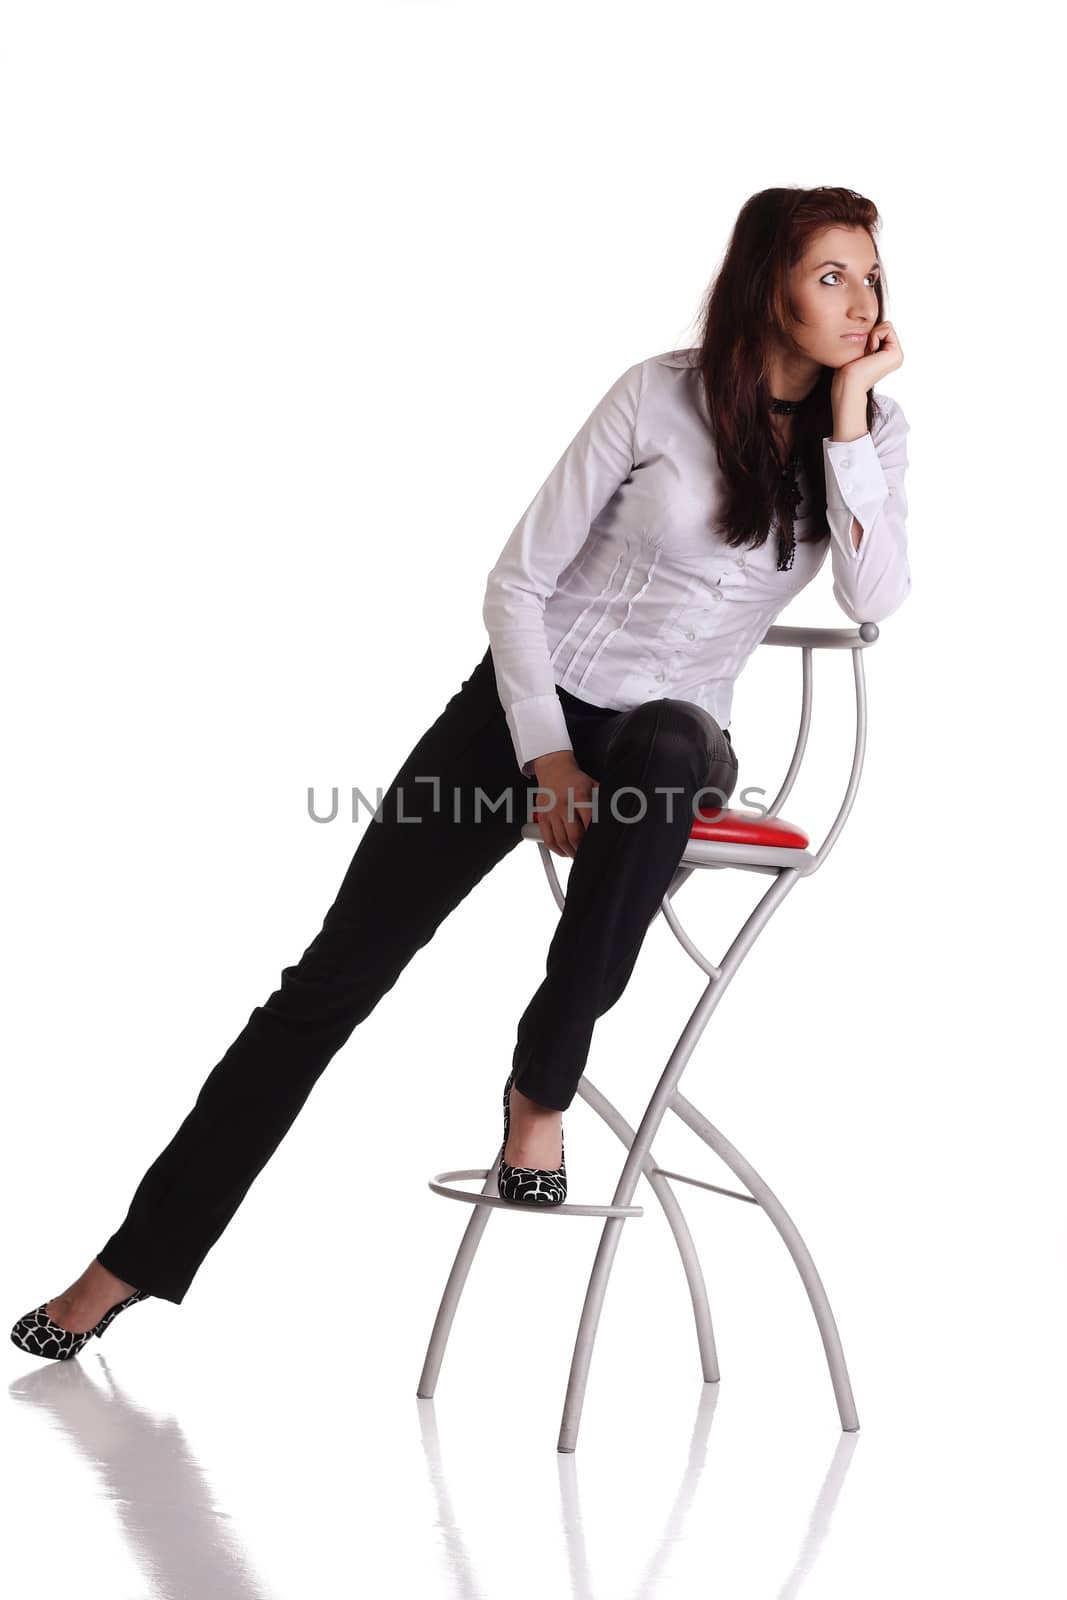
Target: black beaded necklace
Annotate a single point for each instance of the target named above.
(789, 471)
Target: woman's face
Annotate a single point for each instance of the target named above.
(833, 290)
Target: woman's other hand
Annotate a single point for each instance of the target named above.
(565, 793)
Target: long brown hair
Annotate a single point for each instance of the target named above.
(748, 303)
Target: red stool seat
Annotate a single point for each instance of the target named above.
(738, 827)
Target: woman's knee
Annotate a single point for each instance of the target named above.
(671, 738)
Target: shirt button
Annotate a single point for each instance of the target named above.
(740, 561)
(716, 594)
(690, 634)
(845, 462)
(660, 676)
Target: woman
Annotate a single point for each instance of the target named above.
(620, 612)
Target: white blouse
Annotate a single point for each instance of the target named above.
(615, 586)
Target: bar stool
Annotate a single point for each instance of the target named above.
(719, 839)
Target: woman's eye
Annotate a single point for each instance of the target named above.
(872, 275)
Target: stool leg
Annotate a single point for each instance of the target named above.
(472, 1238)
(820, 1305)
(583, 1344)
(609, 1239)
(698, 1294)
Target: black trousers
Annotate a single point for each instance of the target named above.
(652, 762)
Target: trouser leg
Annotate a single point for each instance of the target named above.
(621, 871)
(403, 880)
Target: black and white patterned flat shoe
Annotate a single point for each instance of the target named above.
(38, 1334)
(531, 1185)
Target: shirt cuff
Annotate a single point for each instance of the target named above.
(855, 483)
(537, 726)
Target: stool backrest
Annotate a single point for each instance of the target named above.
(806, 640)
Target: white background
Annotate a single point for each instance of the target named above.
(302, 303)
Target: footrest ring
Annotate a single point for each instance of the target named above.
(441, 1184)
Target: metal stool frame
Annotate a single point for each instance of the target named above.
(786, 866)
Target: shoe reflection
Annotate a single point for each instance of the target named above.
(176, 1531)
